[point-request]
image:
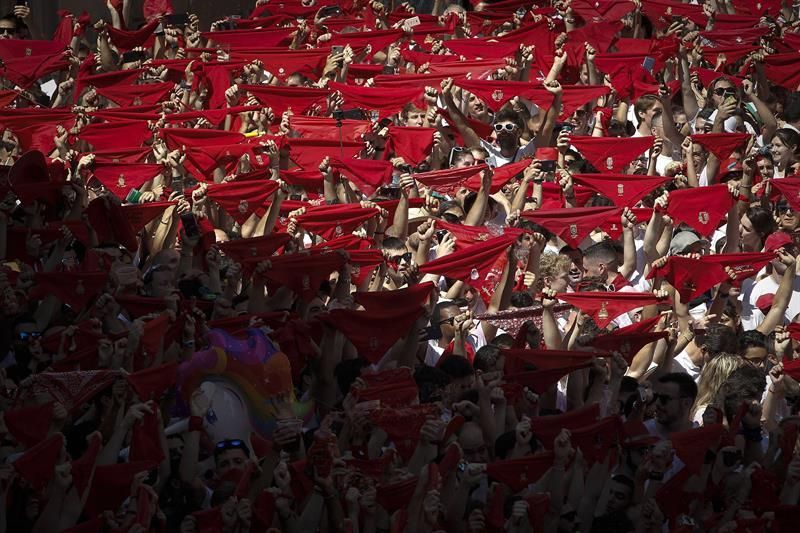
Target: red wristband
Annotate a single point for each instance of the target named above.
(195, 423)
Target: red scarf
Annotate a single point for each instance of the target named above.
(366, 174)
(517, 474)
(411, 143)
(702, 208)
(573, 225)
(139, 215)
(721, 145)
(240, 199)
(335, 220)
(448, 180)
(37, 464)
(136, 95)
(622, 189)
(120, 178)
(281, 99)
(604, 307)
(611, 154)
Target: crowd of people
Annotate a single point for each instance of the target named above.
(368, 266)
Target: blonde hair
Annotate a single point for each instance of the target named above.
(714, 374)
(550, 265)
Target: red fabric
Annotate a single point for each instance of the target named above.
(309, 180)
(483, 130)
(595, 441)
(112, 484)
(75, 289)
(37, 464)
(83, 467)
(336, 220)
(691, 445)
(613, 227)
(136, 95)
(373, 332)
(412, 144)
(145, 439)
(516, 359)
(214, 116)
(660, 12)
(702, 208)
(281, 99)
(71, 389)
(480, 266)
(377, 39)
(29, 425)
(204, 160)
(366, 174)
(547, 428)
(604, 307)
(622, 189)
(627, 344)
(573, 225)
(24, 71)
(732, 53)
(495, 94)
(736, 36)
(154, 333)
(122, 155)
(403, 425)
(151, 383)
(26, 48)
(610, 153)
(120, 178)
(155, 8)
(191, 137)
(282, 63)
(240, 250)
(391, 395)
(789, 188)
(467, 236)
(481, 49)
(401, 299)
(575, 96)
(303, 273)
(240, 199)
(387, 101)
(610, 10)
(397, 495)
(517, 474)
(500, 176)
(34, 127)
(139, 215)
(362, 264)
(326, 128)
(707, 76)
(721, 145)
(448, 180)
(540, 381)
(308, 153)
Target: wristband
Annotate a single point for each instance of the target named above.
(195, 423)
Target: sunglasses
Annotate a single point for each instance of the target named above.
(730, 91)
(664, 398)
(7, 31)
(398, 258)
(452, 218)
(451, 321)
(508, 126)
(29, 335)
(232, 444)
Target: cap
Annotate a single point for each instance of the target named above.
(777, 240)
(764, 302)
(682, 240)
(729, 166)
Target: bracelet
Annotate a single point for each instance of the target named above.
(195, 423)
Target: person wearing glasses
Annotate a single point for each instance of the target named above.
(674, 396)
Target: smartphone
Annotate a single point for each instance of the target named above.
(648, 64)
(548, 165)
(329, 11)
(226, 25)
(132, 56)
(190, 225)
(177, 185)
(177, 19)
(337, 49)
(440, 235)
(567, 127)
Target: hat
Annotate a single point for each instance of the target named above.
(702, 208)
(366, 174)
(682, 240)
(729, 166)
(480, 266)
(603, 307)
(621, 189)
(572, 225)
(611, 154)
(764, 302)
(777, 240)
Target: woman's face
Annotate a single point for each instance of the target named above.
(781, 153)
(748, 237)
(729, 321)
(466, 160)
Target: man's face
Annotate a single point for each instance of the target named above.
(8, 30)
(592, 267)
(670, 407)
(619, 497)
(228, 460)
(471, 442)
(507, 133)
(163, 284)
(416, 118)
(560, 281)
(447, 320)
(652, 111)
(475, 105)
(765, 168)
(756, 356)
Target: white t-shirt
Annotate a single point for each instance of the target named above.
(497, 159)
(683, 363)
(769, 286)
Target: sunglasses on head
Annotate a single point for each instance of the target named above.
(508, 126)
(719, 91)
(232, 444)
